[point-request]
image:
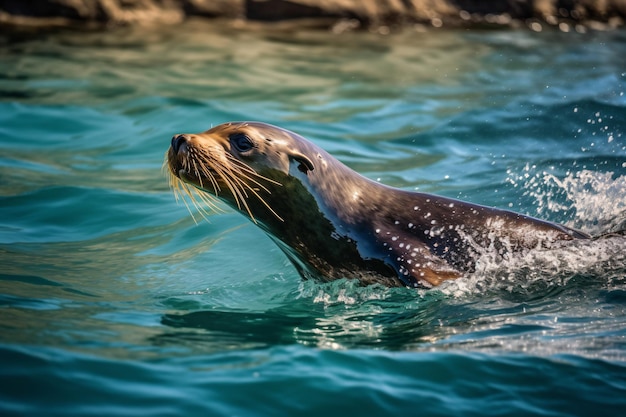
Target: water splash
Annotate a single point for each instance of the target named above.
(346, 292)
(591, 201)
(602, 262)
(594, 202)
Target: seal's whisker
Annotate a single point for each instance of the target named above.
(178, 186)
(214, 184)
(184, 200)
(252, 173)
(206, 163)
(238, 186)
(252, 180)
(216, 187)
(238, 173)
(236, 190)
(196, 172)
(182, 189)
(205, 198)
(165, 168)
(235, 175)
(262, 200)
(244, 185)
(209, 200)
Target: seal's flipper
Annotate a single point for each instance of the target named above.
(415, 263)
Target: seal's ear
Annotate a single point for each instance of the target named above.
(305, 163)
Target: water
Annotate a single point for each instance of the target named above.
(114, 301)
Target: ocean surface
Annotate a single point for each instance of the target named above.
(114, 301)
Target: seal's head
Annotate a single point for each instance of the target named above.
(236, 161)
(295, 191)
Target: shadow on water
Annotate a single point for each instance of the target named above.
(337, 315)
(342, 315)
(382, 324)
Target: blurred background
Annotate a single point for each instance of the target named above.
(114, 300)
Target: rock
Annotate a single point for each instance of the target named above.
(214, 8)
(334, 13)
(99, 12)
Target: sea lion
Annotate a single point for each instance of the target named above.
(332, 222)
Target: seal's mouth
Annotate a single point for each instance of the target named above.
(186, 183)
(206, 173)
(179, 156)
(193, 164)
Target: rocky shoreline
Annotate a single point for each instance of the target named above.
(337, 15)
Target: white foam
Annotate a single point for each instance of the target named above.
(597, 199)
(342, 291)
(603, 259)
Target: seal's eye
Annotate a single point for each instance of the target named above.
(241, 142)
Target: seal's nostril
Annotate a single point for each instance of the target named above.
(178, 140)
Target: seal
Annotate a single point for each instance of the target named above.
(332, 222)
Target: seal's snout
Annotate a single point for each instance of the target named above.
(178, 141)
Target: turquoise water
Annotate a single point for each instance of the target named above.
(115, 302)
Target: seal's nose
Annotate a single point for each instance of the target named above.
(178, 140)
